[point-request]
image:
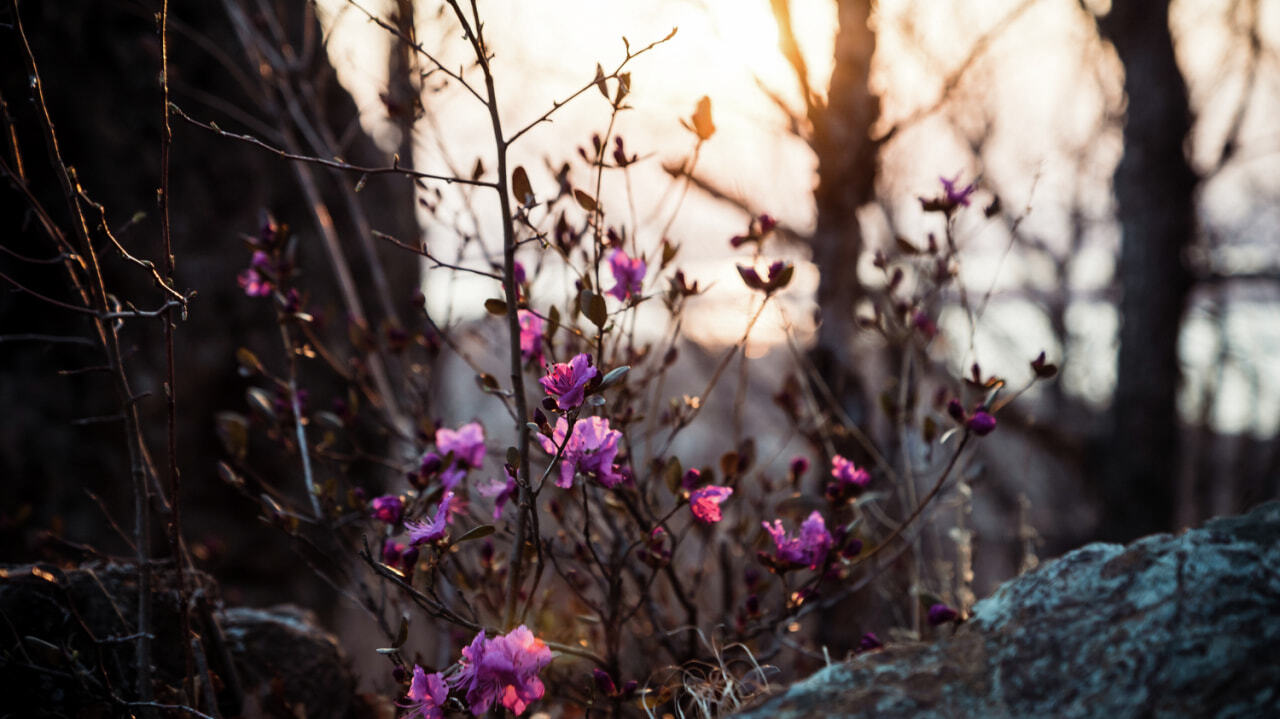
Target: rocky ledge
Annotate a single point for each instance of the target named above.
(1183, 625)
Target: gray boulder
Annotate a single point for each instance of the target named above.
(1169, 626)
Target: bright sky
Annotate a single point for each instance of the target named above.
(1040, 88)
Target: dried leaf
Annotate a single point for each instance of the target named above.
(495, 306)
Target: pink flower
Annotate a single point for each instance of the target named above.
(387, 508)
(466, 443)
(849, 473)
(531, 327)
(705, 503)
(628, 273)
(254, 281)
(567, 382)
(808, 549)
(427, 695)
(591, 450)
(503, 669)
(849, 479)
(437, 528)
(501, 492)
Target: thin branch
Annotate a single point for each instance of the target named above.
(395, 168)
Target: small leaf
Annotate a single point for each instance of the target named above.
(487, 382)
(613, 376)
(261, 401)
(553, 323)
(521, 188)
(479, 532)
(248, 362)
(784, 277)
(402, 634)
(624, 87)
(601, 85)
(495, 306)
(478, 171)
(513, 454)
(584, 200)
(233, 431)
(596, 311)
(671, 475)
(703, 127)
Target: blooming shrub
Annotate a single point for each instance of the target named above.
(586, 580)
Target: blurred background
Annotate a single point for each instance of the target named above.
(1133, 150)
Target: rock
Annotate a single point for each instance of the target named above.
(67, 649)
(1169, 626)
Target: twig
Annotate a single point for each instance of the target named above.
(395, 168)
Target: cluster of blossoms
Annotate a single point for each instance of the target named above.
(463, 449)
(503, 669)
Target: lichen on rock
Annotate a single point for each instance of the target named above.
(1183, 625)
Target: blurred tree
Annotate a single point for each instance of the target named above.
(1155, 189)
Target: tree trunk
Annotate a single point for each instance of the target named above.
(1155, 198)
(847, 169)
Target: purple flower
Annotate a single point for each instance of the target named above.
(848, 473)
(981, 423)
(254, 281)
(503, 669)
(254, 284)
(591, 450)
(941, 614)
(705, 503)
(531, 327)
(387, 508)
(869, 641)
(628, 273)
(567, 382)
(956, 196)
(809, 549)
(466, 443)
(391, 552)
(500, 491)
(848, 480)
(657, 549)
(437, 528)
(427, 695)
